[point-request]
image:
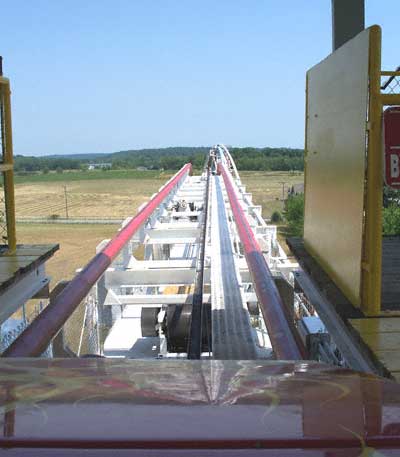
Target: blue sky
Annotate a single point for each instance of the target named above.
(102, 76)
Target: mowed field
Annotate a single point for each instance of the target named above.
(112, 195)
(108, 198)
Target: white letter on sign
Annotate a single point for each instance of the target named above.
(394, 166)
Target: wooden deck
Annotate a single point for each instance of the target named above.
(382, 336)
(391, 273)
(27, 258)
(379, 335)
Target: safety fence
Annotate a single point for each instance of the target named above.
(13, 327)
(391, 85)
(90, 337)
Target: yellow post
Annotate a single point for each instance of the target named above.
(305, 147)
(390, 99)
(371, 275)
(7, 165)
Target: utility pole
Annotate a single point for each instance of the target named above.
(66, 201)
(283, 190)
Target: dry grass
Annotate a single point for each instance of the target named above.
(119, 198)
(111, 198)
(266, 188)
(77, 246)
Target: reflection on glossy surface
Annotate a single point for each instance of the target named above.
(217, 404)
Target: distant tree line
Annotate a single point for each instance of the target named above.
(255, 159)
(34, 164)
(268, 159)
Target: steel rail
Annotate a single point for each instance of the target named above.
(281, 329)
(34, 339)
(196, 322)
(230, 160)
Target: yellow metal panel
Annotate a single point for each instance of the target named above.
(390, 99)
(337, 101)
(390, 73)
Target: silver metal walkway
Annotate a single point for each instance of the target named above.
(233, 336)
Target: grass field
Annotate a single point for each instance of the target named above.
(77, 244)
(267, 188)
(77, 247)
(68, 176)
(113, 197)
(110, 198)
(117, 194)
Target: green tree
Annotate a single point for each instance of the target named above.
(276, 216)
(294, 214)
(390, 196)
(391, 220)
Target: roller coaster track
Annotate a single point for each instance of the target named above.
(208, 271)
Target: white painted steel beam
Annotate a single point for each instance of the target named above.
(151, 277)
(21, 291)
(161, 277)
(160, 234)
(161, 299)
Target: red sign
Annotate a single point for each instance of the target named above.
(391, 132)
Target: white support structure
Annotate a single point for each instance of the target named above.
(22, 291)
(166, 276)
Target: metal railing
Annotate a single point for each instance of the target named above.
(89, 339)
(9, 334)
(35, 338)
(7, 201)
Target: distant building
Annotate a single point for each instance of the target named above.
(104, 165)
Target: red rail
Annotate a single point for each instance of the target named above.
(35, 338)
(281, 329)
